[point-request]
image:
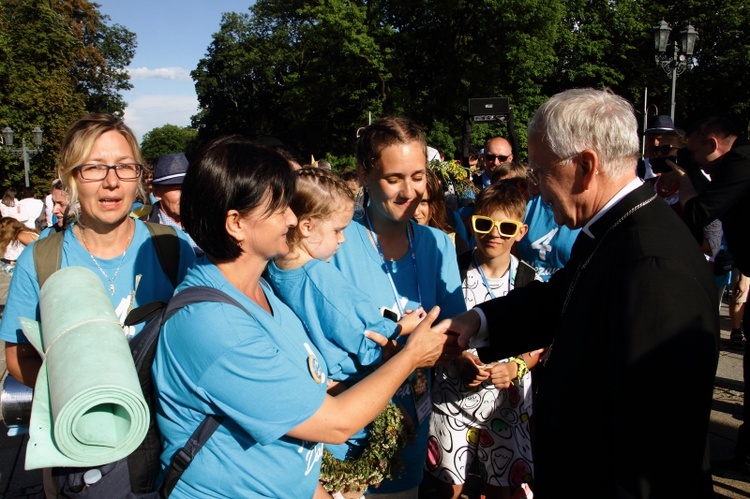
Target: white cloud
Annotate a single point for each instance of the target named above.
(145, 113)
(172, 73)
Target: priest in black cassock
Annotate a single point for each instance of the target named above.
(631, 323)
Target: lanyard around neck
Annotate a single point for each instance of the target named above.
(387, 268)
(484, 278)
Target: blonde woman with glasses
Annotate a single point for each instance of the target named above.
(100, 165)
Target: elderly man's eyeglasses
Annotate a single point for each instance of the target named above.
(484, 225)
(96, 171)
(492, 157)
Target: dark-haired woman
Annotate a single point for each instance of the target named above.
(259, 370)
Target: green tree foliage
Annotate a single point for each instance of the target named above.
(719, 83)
(309, 72)
(168, 139)
(304, 72)
(58, 60)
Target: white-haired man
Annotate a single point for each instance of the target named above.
(624, 403)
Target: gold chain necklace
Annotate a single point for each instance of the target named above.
(117, 270)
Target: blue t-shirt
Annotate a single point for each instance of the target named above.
(438, 282)
(140, 279)
(258, 370)
(336, 315)
(547, 245)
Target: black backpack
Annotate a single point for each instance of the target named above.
(135, 475)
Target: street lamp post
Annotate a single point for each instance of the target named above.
(23, 152)
(680, 59)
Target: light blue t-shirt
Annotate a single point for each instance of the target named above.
(547, 245)
(438, 282)
(140, 279)
(336, 315)
(259, 371)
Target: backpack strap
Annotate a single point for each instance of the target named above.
(525, 274)
(48, 256)
(167, 246)
(48, 252)
(143, 349)
(184, 456)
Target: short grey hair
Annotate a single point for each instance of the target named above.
(586, 118)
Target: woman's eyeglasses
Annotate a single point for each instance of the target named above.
(124, 171)
(484, 225)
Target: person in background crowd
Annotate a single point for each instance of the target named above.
(660, 131)
(14, 237)
(497, 151)
(9, 206)
(33, 209)
(257, 367)
(402, 265)
(169, 172)
(509, 170)
(432, 211)
(352, 181)
(737, 299)
(716, 145)
(49, 204)
(61, 209)
(635, 303)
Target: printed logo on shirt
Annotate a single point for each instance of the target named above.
(314, 366)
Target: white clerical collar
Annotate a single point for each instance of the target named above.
(630, 187)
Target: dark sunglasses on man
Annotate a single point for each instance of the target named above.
(492, 157)
(664, 150)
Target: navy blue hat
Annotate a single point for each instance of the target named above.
(660, 124)
(170, 169)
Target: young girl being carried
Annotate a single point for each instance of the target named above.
(335, 312)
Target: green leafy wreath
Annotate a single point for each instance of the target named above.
(378, 461)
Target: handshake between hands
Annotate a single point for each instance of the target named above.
(433, 344)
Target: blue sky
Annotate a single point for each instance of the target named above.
(172, 35)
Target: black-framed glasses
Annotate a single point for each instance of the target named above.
(97, 171)
(492, 157)
(506, 228)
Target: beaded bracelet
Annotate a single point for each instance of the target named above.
(522, 367)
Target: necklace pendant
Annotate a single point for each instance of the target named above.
(112, 289)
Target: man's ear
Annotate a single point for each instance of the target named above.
(588, 164)
(713, 144)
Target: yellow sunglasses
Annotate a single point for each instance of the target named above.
(506, 228)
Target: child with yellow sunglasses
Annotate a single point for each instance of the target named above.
(481, 408)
